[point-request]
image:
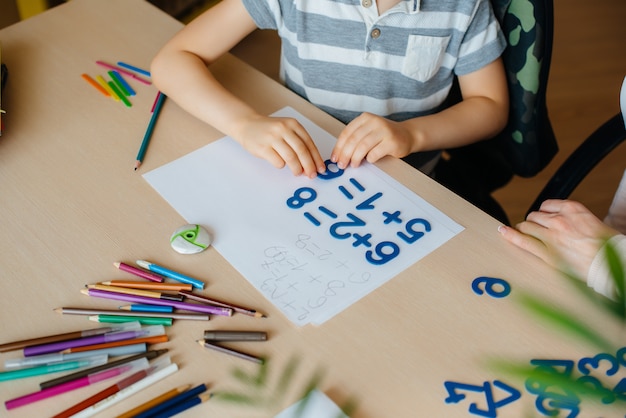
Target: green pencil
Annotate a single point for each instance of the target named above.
(143, 320)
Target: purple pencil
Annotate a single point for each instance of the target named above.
(213, 310)
(35, 350)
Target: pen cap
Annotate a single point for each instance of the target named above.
(91, 361)
(153, 330)
(127, 326)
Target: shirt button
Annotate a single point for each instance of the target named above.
(366, 3)
(375, 33)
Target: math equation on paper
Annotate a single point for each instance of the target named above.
(312, 247)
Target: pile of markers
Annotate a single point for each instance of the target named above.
(87, 355)
(121, 347)
(117, 87)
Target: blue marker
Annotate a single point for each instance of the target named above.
(133, 68)
(170, 274)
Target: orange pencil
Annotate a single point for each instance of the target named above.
(154, 402)
(95, 84)
(148, 340)
(148, 285)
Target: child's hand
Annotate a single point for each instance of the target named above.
(371, 137)
(281, 141)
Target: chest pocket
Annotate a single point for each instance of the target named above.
(424, 56)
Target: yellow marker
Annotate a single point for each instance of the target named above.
(106, 86)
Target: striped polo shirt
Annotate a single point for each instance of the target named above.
(344, 58)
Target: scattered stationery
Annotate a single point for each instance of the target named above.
(311, 246)
(213, 310)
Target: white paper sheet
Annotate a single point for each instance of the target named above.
(316, 405)
(311, 246)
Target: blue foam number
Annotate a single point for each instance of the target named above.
(453, 389)
(494, 287)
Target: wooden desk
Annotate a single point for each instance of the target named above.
(72, 205)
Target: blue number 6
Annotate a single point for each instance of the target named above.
(490, 284)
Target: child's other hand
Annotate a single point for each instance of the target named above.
(281, 141)
(371, 137)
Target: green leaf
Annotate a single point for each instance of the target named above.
(597, 299)
(617, 273)
(239, 398)
(559, 318)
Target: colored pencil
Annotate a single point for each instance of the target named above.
(103, 394)
(123, 71)
(171, 274)
(135, 284)
(230, 351)
(148, 340)
(155, 401)
(183, 406)
(139, 272)
(137, 292)
(173, 315)
(148, 355)
(119, 319)
(212, 310)
(195, 391)
(67, 387)
(238, 309)
(137, 307)
(146, 138)
(235, 335)
(18, 345)
(79, 342)
(133, 68)
(95, 84)
(152, 378)
(51, 368)
(18, 363)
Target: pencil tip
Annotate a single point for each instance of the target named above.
(116, 264)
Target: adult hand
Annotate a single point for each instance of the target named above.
(563, 233)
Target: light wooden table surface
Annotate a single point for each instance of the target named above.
(71, 205)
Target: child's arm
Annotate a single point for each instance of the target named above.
(180, 71)
(481, 114)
